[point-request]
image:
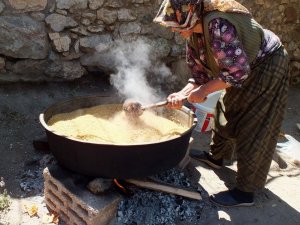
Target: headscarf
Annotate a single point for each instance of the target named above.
(184, 14)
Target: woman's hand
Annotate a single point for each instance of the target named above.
(175, 100)
(197, 95)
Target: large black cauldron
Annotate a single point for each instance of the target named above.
(111, 160)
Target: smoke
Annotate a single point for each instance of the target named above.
(134, 63)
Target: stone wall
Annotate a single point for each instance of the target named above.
(43, 40)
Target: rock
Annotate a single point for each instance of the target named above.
(91, 16)
(73, 55)
(138, 1)
(130, 28)
(160, 47)
(97, 43)
(23, 37)
(71, 70)
(59, 22)
(80, 30)
(181, 71)
(28, 5)
(107, 16)
(2, 183)
(62, 44)
(95, 4)
(62, 12)
(38, 16)
(177, 50)
(96, 28)
(114, 3)
(147, 29)
(103, 61)
(2, 7)
(43, 70)
(85, 22)
(290, 14)
(71, 4)
(179, 39)
(126, 15)
(99, 185)
(163, 32)
(2, 63)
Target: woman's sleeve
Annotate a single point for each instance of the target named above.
(199, 77)
(229, 52)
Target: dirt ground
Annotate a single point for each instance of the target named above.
(21, 165)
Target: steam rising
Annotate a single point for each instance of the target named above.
(133, 64)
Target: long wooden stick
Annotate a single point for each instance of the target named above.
(165, 188)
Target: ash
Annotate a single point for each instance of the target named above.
(153, 208)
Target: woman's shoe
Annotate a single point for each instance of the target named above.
(205, 157)
(232, 198)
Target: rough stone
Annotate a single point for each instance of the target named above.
(2, 7)
(38, 16)
(59, 22)
(62, 12)
(107, 16)
(81, 30)
(163, 32)
(138, 1)
(181, 71)
(126, 15)
(54, 36)
(179, 39)
(147, 29)
(91, 16)
(95, 4)
(85, 22)
(23, 37)
(114, 3)
(71, 70)
(62, 44)
(28, 5)
(2, 63)
(290, 15)
(96, 28)
(97, 43)
(71, 4)
(130, 28)
(104, 62)
(160, 47)
(177, 50)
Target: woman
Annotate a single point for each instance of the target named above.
(227, 49)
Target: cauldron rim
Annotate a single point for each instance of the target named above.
(45, 125)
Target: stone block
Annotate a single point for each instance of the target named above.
(67, 195)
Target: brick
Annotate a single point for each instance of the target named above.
(66, 194)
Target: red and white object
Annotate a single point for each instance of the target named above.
(205, 112)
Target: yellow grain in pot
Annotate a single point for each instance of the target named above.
(109, 124)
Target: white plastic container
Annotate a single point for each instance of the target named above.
(205, 112)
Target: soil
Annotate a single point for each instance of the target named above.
(21, 165)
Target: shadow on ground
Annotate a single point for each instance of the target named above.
(269, 208)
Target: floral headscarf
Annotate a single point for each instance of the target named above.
(184, 14)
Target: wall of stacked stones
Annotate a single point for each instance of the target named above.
(58, 40)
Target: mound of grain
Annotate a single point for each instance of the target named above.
(109, 124)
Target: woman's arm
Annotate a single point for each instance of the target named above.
(199, 94)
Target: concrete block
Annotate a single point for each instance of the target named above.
(66, 194)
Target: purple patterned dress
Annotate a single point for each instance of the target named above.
(228, 52)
